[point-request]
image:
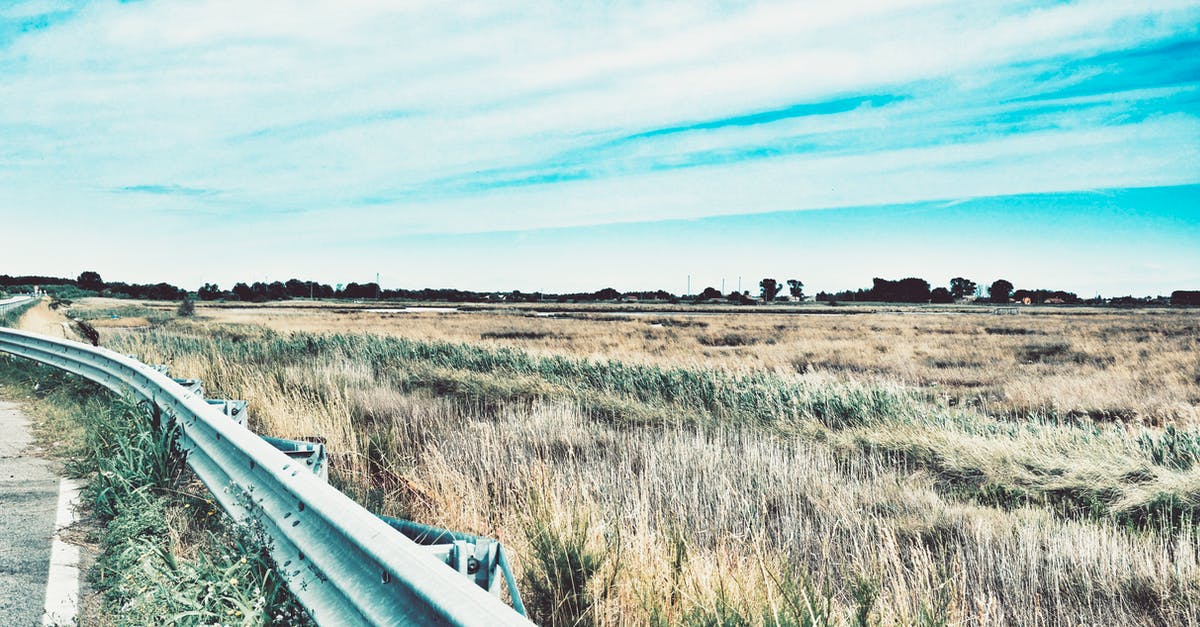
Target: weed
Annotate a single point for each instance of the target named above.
(132, 459)
(805, 603)
(1173, 447)
(564, 581)
(865, 592)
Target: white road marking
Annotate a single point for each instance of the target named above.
(62, 587)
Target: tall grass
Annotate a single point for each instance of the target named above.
(1133, 366)
(570, 570)
(166, 554)
(609, 389)
(734, 498)
(129, 461)
(1079, 468)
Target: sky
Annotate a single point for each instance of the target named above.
(569, 146)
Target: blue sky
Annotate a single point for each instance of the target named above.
(571, 146)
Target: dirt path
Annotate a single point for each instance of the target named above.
(42, 319)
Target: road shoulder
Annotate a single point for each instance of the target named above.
(32, 521)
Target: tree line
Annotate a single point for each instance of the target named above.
(915, 290)
(906, 290)
(90, 284)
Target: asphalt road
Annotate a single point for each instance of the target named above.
(28, 503)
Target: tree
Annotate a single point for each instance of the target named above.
(209, 291)
(90, 281)
(910, 290)
(941, 295)
(295, 288)
(243, 291)
(913, 290)
(276, 291)
(368, 290)
(709, 293)
(1000, 291)
(962, 288)
(769, 289)
(161, 291)
(740, 298)
(796, 288)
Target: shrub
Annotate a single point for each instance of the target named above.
(187, 306)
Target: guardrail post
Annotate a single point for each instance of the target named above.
(312, 454)
(235, 409)
(195, 386)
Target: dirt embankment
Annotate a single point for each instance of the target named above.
(42, 319)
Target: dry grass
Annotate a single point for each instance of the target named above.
(1133, 366)
(835, 493)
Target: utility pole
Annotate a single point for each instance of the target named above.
(376, 286)
(739, 285)
(722, 285)
(689, 289)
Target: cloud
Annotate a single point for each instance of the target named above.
(322, 126)
(419, 117)
(166, 190)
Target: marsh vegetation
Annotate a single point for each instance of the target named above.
(877, 468)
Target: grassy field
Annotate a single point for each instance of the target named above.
(911, 466)
(1128, 365)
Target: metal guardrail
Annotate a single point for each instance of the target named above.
(343, 563)
(16, 301)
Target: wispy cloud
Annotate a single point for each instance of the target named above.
(321, 126)
(19, 18)
(166, 190)
(832, 107)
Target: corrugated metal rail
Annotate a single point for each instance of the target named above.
(343, 563)
(16, 301)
